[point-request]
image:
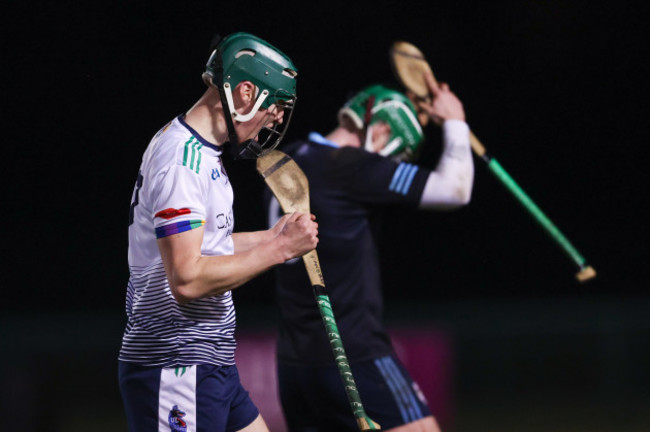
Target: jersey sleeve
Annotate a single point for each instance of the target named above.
(375, 179)
(178, 201)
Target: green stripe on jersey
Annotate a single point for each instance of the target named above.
(185, 151)
(198, 161)
(193, 150)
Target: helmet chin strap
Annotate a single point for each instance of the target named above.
(249, 149)
(232, 135)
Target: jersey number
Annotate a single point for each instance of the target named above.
(136, 198)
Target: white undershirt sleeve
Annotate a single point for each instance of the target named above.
(450, 184)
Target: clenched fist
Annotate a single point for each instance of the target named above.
(297, 234)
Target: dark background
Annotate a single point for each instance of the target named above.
(556, 91)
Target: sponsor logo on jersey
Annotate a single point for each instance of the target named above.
(176, 422)
(215, 173)
(171, 213)
(225, 221)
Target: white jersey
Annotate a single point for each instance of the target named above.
(182, 185)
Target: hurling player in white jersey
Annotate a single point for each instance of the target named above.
(176, 365)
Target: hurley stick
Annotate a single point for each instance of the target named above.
(409, 65)
(290, 187)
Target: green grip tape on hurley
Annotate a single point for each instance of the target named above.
(341, 359)
(544, 221)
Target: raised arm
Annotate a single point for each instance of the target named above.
(450, 184)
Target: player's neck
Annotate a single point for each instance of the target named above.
(206, 117)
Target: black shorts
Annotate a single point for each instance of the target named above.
(185, 399)
(313, 398)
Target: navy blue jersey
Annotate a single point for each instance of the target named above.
(347, 188)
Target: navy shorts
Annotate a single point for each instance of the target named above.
(313, 398)
(184, 399)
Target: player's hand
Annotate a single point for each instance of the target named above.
(298, 235)
(277, 228)
(444, 104)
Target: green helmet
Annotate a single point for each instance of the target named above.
(380, 103)
(244, 57)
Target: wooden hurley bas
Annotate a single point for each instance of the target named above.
(410, 66)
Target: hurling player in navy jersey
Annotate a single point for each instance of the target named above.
(363, 165)
(177, 367)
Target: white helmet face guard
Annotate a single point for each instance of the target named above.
(264, 136)
(396, 113)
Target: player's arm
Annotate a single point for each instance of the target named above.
(248, 240)
(192, 275)
(450, 184)
(372, 179)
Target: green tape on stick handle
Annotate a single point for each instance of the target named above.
(291, 188)
(410, 67)
(537, 213)
(325, 307)
(585, 271)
